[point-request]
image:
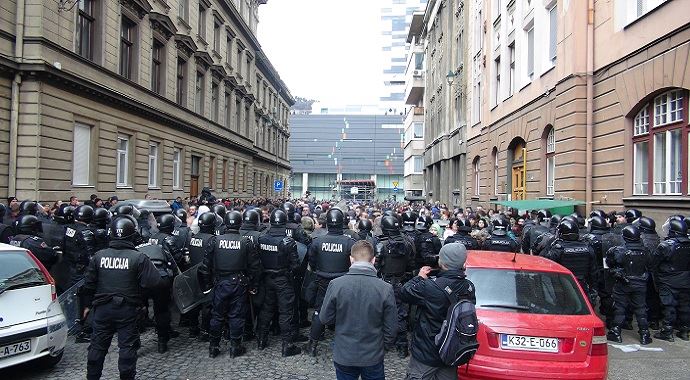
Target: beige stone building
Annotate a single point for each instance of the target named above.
(138, 96)
(584, 100)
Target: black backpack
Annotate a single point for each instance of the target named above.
(457, 340)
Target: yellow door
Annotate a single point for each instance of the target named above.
(518, 189)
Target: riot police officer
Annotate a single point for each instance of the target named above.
(293, 229)
(27, 229)
(409, 225)
(28, 208)
(672, 262)
(463, 235)
(115, 280)
(279, 258)
(250, 226)
(427, 245)
(165, 238)
(232, 268)
(364, 227)
(395, 263)
(199, 246)
(531, 233)
(629, 264)
(220, 210)
(650, 239)
(181, 235)
(5, 229)
(603, 284)
(101, 219)
(573, 254)
(329, 258)
(499, 240)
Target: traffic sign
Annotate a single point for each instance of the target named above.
(354, 190)
(278, 185)
(395, 189)
(395, 183)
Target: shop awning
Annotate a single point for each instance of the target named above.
(561, 207)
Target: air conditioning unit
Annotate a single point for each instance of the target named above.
(417, 73)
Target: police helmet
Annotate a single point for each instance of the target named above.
(365, 225)
(568, 230)
(424, 222)
(181, 214)
(66, 213)
(219, 209)
(500, 226)
(599, 213)
(677, 228)
(297, 218)
(409, 219)
(127, 209)
(28, 208)
(124, 227)
(676, 217)
(631, 233)
(647, 224)
(207, 222)
(84, 213)
(334, 218)
(598, 223)
(632, 214)
(101, 216)
(289, 209)
(555, 219)
(251, 216)
(278, 218)
(570, 218)
(3, 210)
(28, 225)
(233, 220)
(579, 219)
(390, 224)
(166, 223)
(543, 215)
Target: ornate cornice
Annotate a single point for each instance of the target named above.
(163, 24)
(185, 44)
(204, 59)
(139, 7)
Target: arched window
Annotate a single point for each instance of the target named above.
(476, 175)
(494, 155)
(660, 141)
(550, 157)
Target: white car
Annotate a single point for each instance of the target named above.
(32, 325)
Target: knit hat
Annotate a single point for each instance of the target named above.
(453, 256)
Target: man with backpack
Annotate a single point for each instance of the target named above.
(434, 298)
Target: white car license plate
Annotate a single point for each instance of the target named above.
(529, 343)
(15, 349)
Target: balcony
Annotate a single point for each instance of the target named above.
(414, 87)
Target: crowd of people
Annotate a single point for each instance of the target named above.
(357, 266)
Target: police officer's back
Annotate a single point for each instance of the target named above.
(202, 242)
(101, 219)
(250, 226)
(499, 239)
(114, 285)
(80, 242)
(27, 229)
(463, 235)
(573, 254)
(531, 231)
(292, 228)
(220, 210)
(648, 234)
(427, 245)
(165, 238)
(181, 233)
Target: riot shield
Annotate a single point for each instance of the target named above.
(187, 291)
(69, 303)
(57, 328)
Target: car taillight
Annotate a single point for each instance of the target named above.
(49, 279)
(567, 345)
(599, 343)
(492, 339)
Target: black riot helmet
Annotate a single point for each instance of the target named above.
(632, 215)
(631, 233)
(124, 227)
(28, 208)
(297, 218)
(166, 223)
(599, 213)
(219, 209)
(3, 210)
(676, 217)
(207, 222)
(677, 228)
(66, 213)
(84, 213)
(390, 224)
(127, 209)
(278, 218)
(28, 225)
(500, 227)
(233, 220)
(424, 222)
(289, 209)
(555, 220)
(647, 225)
(570, 218)
(409, 219)
(335, 219)
(579, 219)
(251, 216)
(181, 214)
(542, 215)
(598, 223)
(101, 216)
(567, 230)
(365, 225)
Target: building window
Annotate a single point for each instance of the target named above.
(228, 110)
(199, 93)
(127, 35)
(641, 165)
(238, 115)
(225, 183)
(85, 34)
(418, 131)
(495, 160)
(177, 158)
(639, 9)
(530, 53)
(228, 49)
(215, 94)
(201, 30)
(153, 165)
(181, 82)
(183, 10)
(553, 33)
(235, 177)
(246, 120)
(216, 35)
(239, 60)
(497, 81)
(157, 70)
(511, 72)
(476, 168)
(122, 161)
(550, 162)
(212, 172)
(249, 69)
(668, 108)
(81, 155)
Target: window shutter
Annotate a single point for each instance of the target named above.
(81, 154)
(553, 15)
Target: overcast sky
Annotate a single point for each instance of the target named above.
(327, 50)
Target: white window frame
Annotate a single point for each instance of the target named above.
(666, 185)
(177, 159)
(153, 165)
(511, 72)
(81, 154)
(414, 130)
(641, 122)
(122, 162)
(496, 192)
(476, 176)
(551, 175)
(551, 141)
(530, 55)
(639, 187)
(553, 35)
(668, 108)
(415, 160)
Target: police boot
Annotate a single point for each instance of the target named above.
(82, 337)
(683, 333)
(654, 325)
(666, 333)
(627, 325)
(290, 349)
(262, 342)
(162, 346)
(645, 338)
(236, 348)
(214, 346)
(311, 347)
(614, 335)
(403, 352)
(300, 338)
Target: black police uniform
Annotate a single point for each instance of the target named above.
(169, 244)
(672, 259)
(578, 257)
(181, 236)
(395, 262)
(43, 252)
(115, 280)
(231, 268)
(251, 232)
(651, 240)
(530, 238)
(100, 236)
(199, 245)
(6, 232)
(501, 243)
(297, 232)
(465, 238)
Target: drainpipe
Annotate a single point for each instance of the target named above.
(14, 106)
(590, 105)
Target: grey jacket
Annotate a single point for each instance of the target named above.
(363, 309)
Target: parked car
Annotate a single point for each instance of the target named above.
(535, 321)
(32, 325)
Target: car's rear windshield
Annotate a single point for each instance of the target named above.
(18, 269)
(528, 292)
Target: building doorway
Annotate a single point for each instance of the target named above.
(516, 167)
(194, 180)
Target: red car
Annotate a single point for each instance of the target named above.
(535, 321)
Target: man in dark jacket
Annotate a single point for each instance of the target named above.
(364, 312)
(432, 304)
